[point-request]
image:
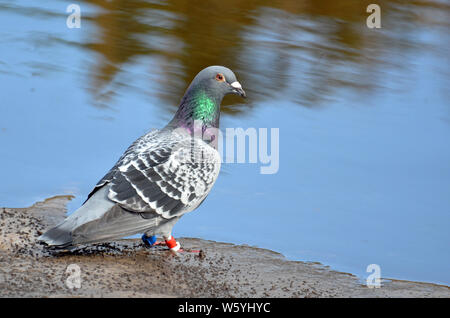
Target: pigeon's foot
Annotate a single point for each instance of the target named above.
(170, 242)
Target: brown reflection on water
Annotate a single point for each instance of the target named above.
(298, 50)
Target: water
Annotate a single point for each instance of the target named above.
(363, 115)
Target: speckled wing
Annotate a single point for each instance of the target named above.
(165, 172)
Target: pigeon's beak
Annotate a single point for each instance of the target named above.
(237, 89)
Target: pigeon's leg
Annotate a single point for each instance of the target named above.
(164, 230)
(172, 244)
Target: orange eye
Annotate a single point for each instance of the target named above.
(220, 77)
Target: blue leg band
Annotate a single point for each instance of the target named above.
(149, 240)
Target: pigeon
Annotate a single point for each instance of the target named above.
(160, 177)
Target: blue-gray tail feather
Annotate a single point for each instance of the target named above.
(116, 223)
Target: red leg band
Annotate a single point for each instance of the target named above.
(171, 243)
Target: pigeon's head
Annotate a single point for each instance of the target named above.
(202, 99)
(217, 80)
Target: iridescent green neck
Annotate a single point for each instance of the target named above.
(198, 105)
(205, 108)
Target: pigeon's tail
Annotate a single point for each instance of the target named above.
(99, 220)
(115, 224)
(59, 236)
